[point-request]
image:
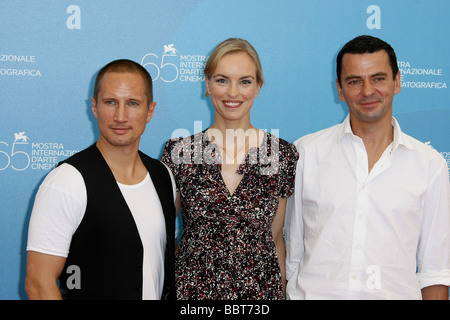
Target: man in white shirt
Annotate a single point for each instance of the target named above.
(370, 217)
(103, 221)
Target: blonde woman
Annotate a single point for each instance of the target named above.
(232, 182)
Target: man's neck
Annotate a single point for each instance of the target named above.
(376, 137)
(124, 162)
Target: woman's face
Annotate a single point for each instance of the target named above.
(233, 87)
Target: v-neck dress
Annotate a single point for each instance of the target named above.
(226, 248)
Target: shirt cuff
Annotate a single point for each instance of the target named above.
(49, 252)
(427, 279)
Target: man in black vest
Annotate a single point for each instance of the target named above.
(103, 221)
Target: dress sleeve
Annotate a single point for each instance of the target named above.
(170, 158)
(288, 163)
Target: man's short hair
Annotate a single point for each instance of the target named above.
(366, 44)
(125, 66)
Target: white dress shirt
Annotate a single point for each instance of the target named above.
(351, 234)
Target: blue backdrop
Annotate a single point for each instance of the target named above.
(50, 52)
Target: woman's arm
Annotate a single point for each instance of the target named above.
(277, 232)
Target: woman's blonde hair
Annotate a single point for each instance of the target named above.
(233, 45)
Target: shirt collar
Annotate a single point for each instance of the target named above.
(399, 137)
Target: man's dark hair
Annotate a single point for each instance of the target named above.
(125, 66)
(366, 44)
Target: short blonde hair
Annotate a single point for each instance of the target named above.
(125, 66)
(233, 45)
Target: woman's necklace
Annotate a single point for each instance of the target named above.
(233, 159)
(227, 159)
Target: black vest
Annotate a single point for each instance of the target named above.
(106, 246)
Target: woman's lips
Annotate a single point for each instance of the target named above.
(232, 104)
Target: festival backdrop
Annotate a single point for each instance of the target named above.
(50, 52)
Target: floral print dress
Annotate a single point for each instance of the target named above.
(227, 249)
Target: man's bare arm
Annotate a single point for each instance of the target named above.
(43, 271)
(437, 292)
